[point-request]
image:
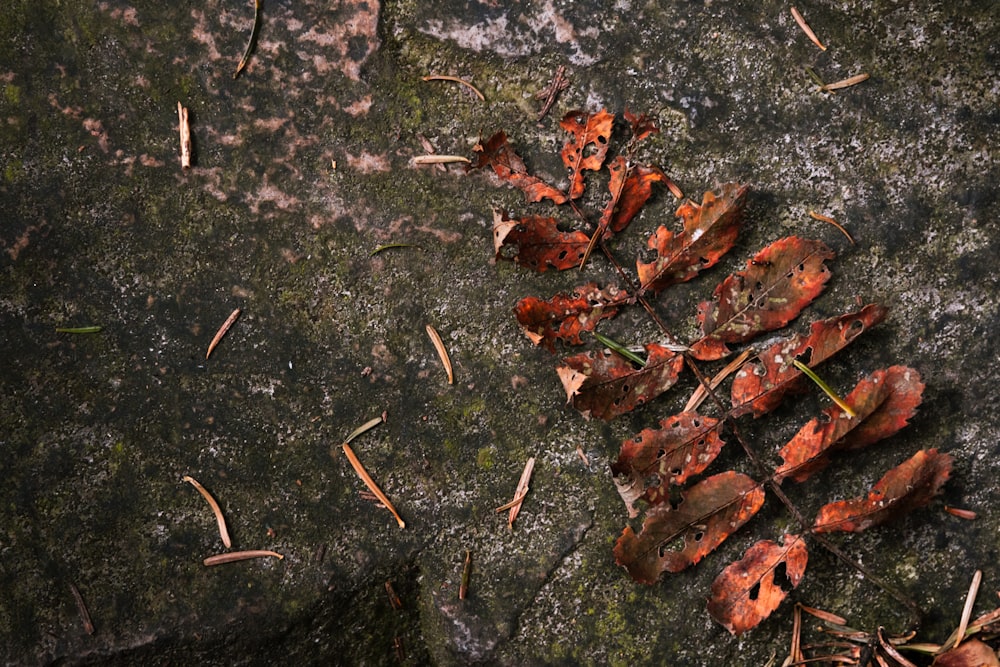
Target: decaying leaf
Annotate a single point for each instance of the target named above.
(642, 125)
(684, 445)
(777, 284)
(709, 232)
(883, 403)
(674, 538)
(972, 653)
(506, 164)
(747, 591)
(588, 146)
(760, 387)
(605, 384)
(565, 316)
(910, 485)
(536, 242)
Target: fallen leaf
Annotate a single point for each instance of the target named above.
(971, 653)
(675, 537)
(883, 403)
(760, 387)
(910, 485)
(642, 125)
(536, 242)
(747, 591)
(684, 445)
(506, 164)
(709, 232)
(565, 316)
(777, 284)
(605, 384)
(588, 146)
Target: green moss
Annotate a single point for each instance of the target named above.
(12, 94)
(484, 459)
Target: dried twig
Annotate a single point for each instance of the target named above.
(822, 218)
(370, 483)
(522, 490)
(234, 556)
(806, 29)
(222, 330)
(253, 38)
(551, 92)
(463, 587)
(442, 77)
(185, 131)
(221, 520)
(442, 352)
(81, 607)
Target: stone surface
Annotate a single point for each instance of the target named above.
(302, 170)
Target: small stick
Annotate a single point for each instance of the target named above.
(519, 494)
(845, 83)
(234, 556)
(393, 598)
(806, 29)
(78, 330)
(222, 330)
(221, 520)
(970, 600)
(442, 77)
(463, 588)
(185, 131)
(442, 352)
(551, 92)
(439, 159)
(822, 218)
(253, 38)
(81, 607)
(825, 387)
(370, 483)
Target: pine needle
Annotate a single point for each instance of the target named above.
(222, 331)
(253, 39)
(370, 483)
(442, 352)
(822, 218)
(806, 29)
(234, 556)
(522, 490)
(442, 77)
(216, 510)
(825, 387)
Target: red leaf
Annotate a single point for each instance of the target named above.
(565, 316)
(605, 384)
(746, 593)
(762, 386)
(970, 653)
(777, 284)
(883, 403)
(498, 154)
(709, 232)
(631, 195)
(910, 485)
(675, 538)
(535, 242)
(588, 146)
(684, 445)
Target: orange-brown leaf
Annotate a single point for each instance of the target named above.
(642, 125)
(565, 316)
(631, 187)
(536, 242)
(910, 485)
(605, 384)
(970, 653)
(588, 146)
(674, 538)
(747, 591)
(883, 403)
(508, 165)
(760, 387)
(648, 464)
(777, 284)
(709, 233)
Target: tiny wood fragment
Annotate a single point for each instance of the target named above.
(497, 154)
(565, 316)
(185, 132)
(536, 242)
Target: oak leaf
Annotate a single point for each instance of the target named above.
(674, 538)
(536, 242)
(909, 485)
(780, 281)
(747, 591)
(588, 146)
(605, 384)
(508, 166)
(565, 316)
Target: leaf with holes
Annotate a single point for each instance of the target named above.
(777, 284)
(565, 316)
(747, 591)
(760, 387)
(648, 464)
(909, 485)
(588, 146)
(536, 242)
(883, 403)
(675, 537)
(605, 384)
(506, 164)
(709, 232)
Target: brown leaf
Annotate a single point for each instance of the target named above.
(910, 485)
(506, 164)
(747, 591)
(777, 284)
(674, 538)
(565, 316)
(709, 233)
(971, 653)
(536, 242)
(762, 386)
(684, 445)
(588, 146)
(605, 384)
(642, 125)
(883, 403)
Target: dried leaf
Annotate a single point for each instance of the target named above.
(497, 154)
(747, 591)
(910, 485)
(565, 316)
(709, 233)
(777, 284)
(674, 538)
(605, 384)
(536, 242)
(684, 445)
(642, 125)
(883, 403)
(588, 146)
(972, 653)
(760, 387)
